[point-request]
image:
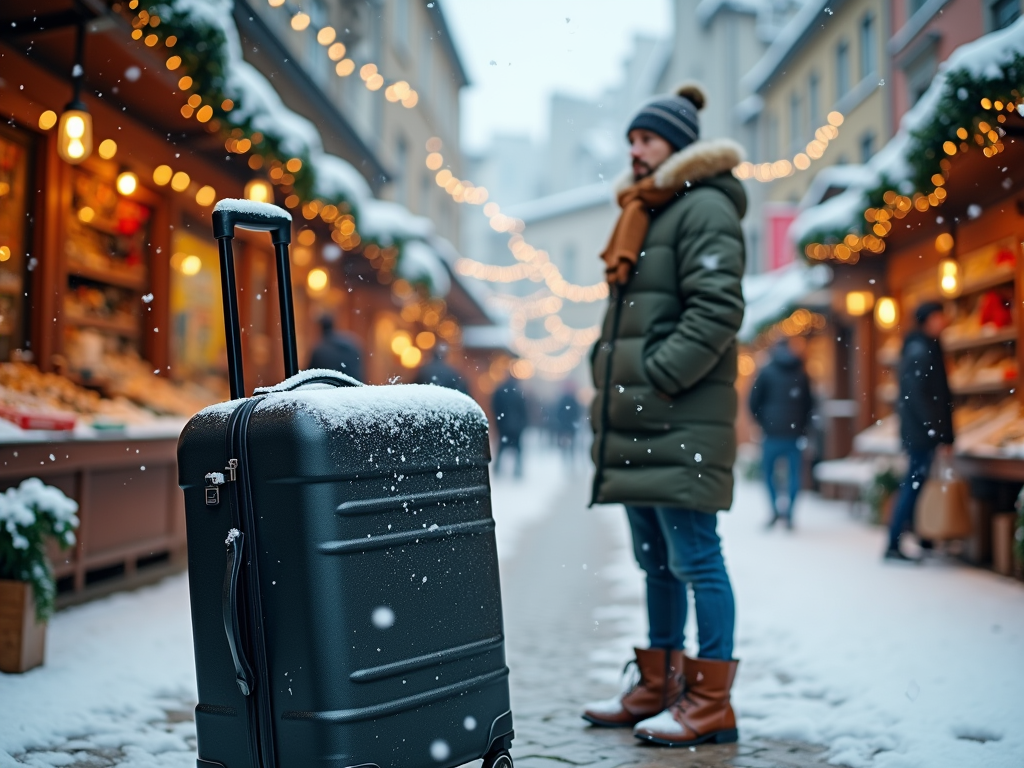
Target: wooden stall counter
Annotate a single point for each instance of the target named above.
(131, 510)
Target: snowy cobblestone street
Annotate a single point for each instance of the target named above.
(843, 659)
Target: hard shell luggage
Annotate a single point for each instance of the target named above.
(346, 609)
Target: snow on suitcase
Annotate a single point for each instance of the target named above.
(346, 608)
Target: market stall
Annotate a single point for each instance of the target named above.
(940, 217)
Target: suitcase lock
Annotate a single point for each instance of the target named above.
(214, 480)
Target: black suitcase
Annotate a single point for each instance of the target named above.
(346, 609)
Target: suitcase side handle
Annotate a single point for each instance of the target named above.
(229, 605)
(262, 217)
(312, 376)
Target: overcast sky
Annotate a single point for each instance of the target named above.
(518, 52)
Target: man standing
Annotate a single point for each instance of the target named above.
(510, 418)
(337, 351)
(440, 372)
(665, 411)
(925, 408)
(780, 402)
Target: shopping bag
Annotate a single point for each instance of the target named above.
(942, 508)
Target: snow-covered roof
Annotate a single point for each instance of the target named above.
(787, 41)
(259, 103)
(420, 262)
(487, 337)
(834, 177)
(706, 9)
(980, 59)
(560, 203)
(477, 290)
(770, 295)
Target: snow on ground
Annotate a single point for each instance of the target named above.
(891, 666)
(119, 685)
(520, 503)
(114, 671)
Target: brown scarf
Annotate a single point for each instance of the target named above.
(628, 236)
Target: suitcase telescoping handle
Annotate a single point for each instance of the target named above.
(229, 606)
(262, 217)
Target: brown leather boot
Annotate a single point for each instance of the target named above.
(660, 683)
(702, 714)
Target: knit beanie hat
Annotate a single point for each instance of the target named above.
(673, 117)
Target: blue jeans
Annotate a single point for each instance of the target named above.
(676, 547)
(903, 511)
(773, 449)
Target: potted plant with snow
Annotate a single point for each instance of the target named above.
(30, 514)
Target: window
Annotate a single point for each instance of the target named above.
(867, 146)
(772, 139)
(426, 189)
(919, 73)
(426, 70)
(913, 6)
(400, 33)
(842, 69)
(813, 104)
(1004, 13)
(868, 50)
(795, 123)
(401, 174)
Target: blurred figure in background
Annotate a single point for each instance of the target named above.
(440, 373)
(337, 350)
(781, 403)
(567, 420)
(510, 419)
(925, 408)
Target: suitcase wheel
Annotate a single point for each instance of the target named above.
(500, 759)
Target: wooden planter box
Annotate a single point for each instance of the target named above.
(1004, 559)
(22, 637)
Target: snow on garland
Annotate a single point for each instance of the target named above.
(944, 122)
(29, 514)
(243, 104)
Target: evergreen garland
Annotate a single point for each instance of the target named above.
(960, 106)
(202, 51)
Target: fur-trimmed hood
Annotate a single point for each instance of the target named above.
(695, 163)
(703, 163)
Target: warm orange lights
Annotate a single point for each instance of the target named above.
(859, 303)
(74, 143)
(887, 313)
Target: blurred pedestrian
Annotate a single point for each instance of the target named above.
(925, 408)
(567, 420)
(781, 404)
(441, 373)
(510, 419)
(337, 350)
(665, 412)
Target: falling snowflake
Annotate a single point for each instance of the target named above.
(383, 617)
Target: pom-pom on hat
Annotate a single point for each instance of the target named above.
(673, 117)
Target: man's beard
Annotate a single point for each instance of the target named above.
(641, 170)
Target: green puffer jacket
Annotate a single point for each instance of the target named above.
(664, 415)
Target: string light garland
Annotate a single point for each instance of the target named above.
(971, 114)
(780, 169)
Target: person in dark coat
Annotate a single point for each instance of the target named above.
(925, 408)
(781, 404)
(567, 419)
(337, 351)
(440, 373)
(510, 419)
(664, 411)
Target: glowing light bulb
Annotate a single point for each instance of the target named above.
(127, 183)
(191, 265)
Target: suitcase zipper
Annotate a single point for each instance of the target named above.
(260, 715)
